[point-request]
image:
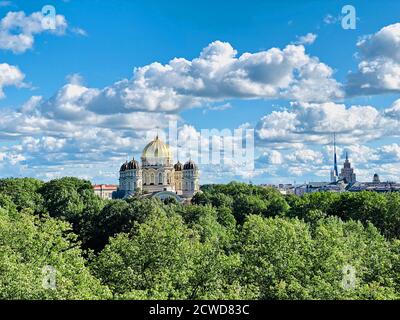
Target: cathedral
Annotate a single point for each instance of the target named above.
(157, 175)
(347, 174)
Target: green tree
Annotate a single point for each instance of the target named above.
(69, 198)
(73, 200)
(164, 259)
(245, 205)
(27, 245)
(338, 244)
(289, 259)
(116, 216)
(23, 192)
(275, 254)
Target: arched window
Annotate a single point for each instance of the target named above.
(160, 179)
(152, 179)
(168, 178)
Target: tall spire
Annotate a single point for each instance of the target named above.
(335, 169)
(347, 156)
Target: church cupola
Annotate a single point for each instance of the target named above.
(133, 165)
(190, 165)
(124, 166)
(178, 166)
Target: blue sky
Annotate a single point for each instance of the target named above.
(56, 117)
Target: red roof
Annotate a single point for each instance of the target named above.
(105, 186)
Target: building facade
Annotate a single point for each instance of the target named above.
(105, 191)
(347, 173)
(376, 185)
(157, 173)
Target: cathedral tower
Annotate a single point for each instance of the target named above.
(190, 179)
(347, 172)
(130, 177)
(178, 168)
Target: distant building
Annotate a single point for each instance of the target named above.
(344, 182)
(105, 191)
(376, 185)
(283, 188)
(376, 179)
(311, 187)
(347, 173)
(338, 182)
(157, 175)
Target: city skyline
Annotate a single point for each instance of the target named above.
(81, 98)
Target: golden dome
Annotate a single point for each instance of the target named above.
(156, 149)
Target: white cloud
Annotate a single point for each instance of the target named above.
(79, 31)
(222, 107)
(309, 38)
(394, 110)
(303, 137)
(315, 123)
(362, 154)
(219, 74)
(272, 157)
(96, 128)
(62, 131)
(10, 76)
(305, 156)
(330, 19)
(379, 69)
(18, 30)
(390, 152)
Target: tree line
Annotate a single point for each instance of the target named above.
(235, 241)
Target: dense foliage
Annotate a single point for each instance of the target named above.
(235, 241)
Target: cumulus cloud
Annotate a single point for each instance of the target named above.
(379, 68)
(305, 156)
(272, 157)
(313, 162)
(302, 135)
(217, 74)
(63, 131)
(394, 111)
(97, 127)
(10, 76)
(390, 152)
(315, 123)
(362, 154)
(18, 30)
(309, 38)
